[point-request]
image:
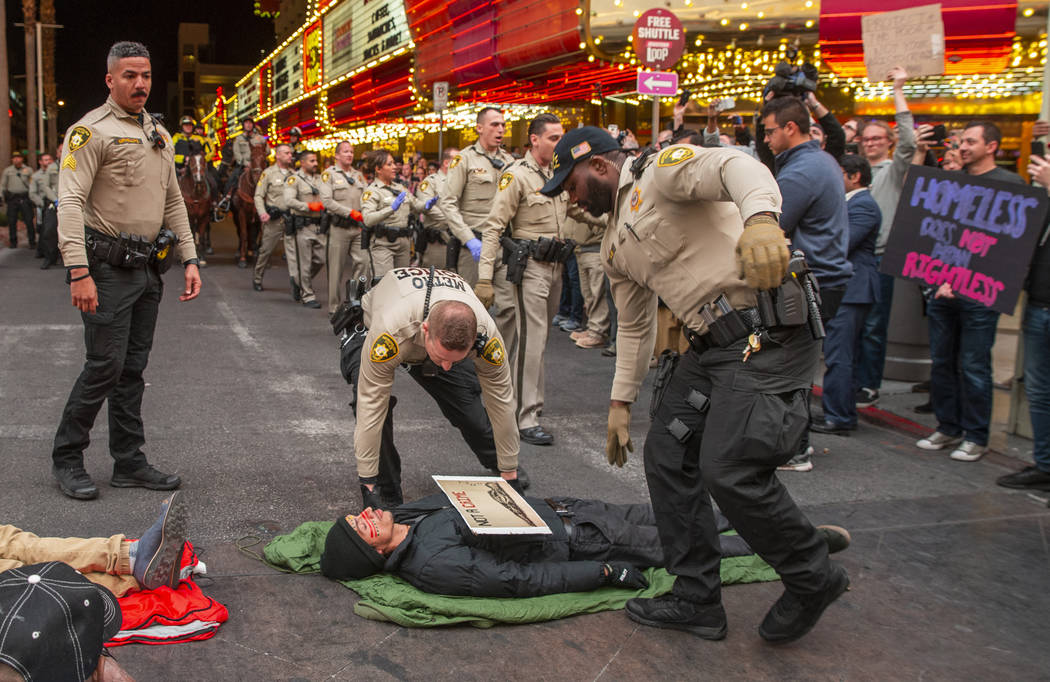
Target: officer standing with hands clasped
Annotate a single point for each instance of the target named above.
(117, 191)
(698, 228)
(385, 207)
(341, 188)
(302, 196)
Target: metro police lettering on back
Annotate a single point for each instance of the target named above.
(442, 278)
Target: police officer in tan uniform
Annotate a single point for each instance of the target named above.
(698, 228)
(116, 189)
(587, 231)
(43, 192)
(427, 203)
(302, 197)
(524, 309)
(269, 204)
(386, 206)
(15, 183)
(341, 188)
(470, 187)
(431, 321)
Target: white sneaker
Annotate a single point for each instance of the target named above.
(969, 452)
(800, 462)
(937, 441)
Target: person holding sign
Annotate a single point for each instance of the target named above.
(592, 544)
(962, 334)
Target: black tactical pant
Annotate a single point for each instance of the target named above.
(754, 421)
(458, 395)
(48, 246)
(118, 337)
(627, 533)
(19, 206)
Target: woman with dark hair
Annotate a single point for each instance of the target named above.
(386, 205)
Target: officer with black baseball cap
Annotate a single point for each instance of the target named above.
(698, 228)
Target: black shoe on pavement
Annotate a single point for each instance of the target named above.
(46, 264)
(75, 482)
(297, 294)
(257, 286)
(610, 350)
(828, 426)
(866, 397)
(159, 550)
(925, 408)
(536, 436)
(312, 304)
(523, 478)
(145, 477)
(793, 615)
(707, 621)
(1029, 478)
(836, 537)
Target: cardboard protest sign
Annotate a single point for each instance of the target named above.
(976, 234)
(910, 38)
(490, 506)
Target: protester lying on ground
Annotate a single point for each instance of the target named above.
(53, 624)
(592, 544)
(118, 564)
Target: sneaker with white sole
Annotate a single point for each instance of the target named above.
(937, 441)
(866, 397)
(969, 452)
(800, 462)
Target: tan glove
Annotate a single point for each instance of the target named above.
(618, 443)
(762, 254)
(483, 290)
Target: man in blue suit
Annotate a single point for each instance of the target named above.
(842, 343)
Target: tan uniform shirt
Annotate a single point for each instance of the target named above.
(341, 191)
(431, 186)
(16, 181)
(44, 188)
(518, 203)
(113, 179)
(394, 316)
(469, 188)
(300, 190)
(242, 147)
(673, 235)
(376, 205)
(270, 190)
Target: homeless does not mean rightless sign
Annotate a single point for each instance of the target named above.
(975, 234)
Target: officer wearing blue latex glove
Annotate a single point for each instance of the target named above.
(399, 200)
(474, 245)
(430, 202)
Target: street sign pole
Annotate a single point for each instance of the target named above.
(656, 118)
(441, 133)
(440, 102)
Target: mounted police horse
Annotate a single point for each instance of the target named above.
(196, 192)
(244, 214)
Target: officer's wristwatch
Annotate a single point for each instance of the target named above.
(192, 261)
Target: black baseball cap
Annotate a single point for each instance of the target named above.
(54, 621)
(347, 556)
(577, 145)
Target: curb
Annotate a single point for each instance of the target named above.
(889, 420)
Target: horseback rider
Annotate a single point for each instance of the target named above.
(187, 143)
(295, 141)
(242, 157)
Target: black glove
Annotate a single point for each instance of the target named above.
(623, 575)
(370, 498)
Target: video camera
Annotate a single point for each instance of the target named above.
(789, 80)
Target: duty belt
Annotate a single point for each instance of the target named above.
(392, 233)
(128, 251)
(340, 221)
(750, 318)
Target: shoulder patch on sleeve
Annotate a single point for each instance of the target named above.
(493, 352)
(70, 162)
(673, 156)
(366, 196)
(505, 180)
(423, 186)
(455, 161)
(383, 348)
(325, 176)
(78, 138)
(291, 179)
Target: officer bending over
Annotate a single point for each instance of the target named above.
(116, 189)
(688, 225)
(430, 321)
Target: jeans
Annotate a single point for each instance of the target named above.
(872, 358)
(961, 338)
(1036, 328)
(840, 348)
(571, 304)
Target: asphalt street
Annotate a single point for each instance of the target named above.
(244, 400)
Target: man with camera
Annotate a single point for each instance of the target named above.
(697, 228)
(117, 187)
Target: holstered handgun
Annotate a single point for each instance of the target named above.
(452, 254)
(350, 312)
(366, 238)
(517, 258)
(798, 270)
(419, 234)
(325, 223)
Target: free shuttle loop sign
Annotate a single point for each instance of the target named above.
(659, 39)
(657, 83)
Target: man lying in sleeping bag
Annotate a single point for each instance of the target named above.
(593, 544)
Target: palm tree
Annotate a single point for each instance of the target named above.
(47, 16)
(29, 19)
